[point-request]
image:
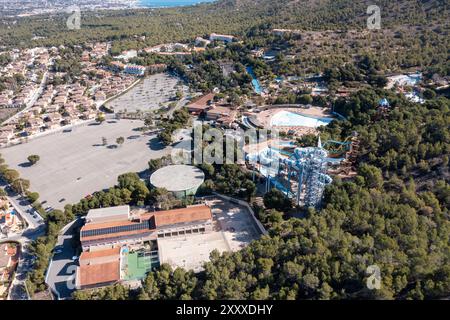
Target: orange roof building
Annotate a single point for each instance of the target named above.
(180, 216)
(103, 241)
(99, 268)
(201, 104)
(222, 114)
(144, 227)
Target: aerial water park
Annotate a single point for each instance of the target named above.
(303, 173)
(290, 119)
(300, 173)
(300, 119)
(302, 176)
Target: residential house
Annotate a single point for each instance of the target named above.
(221, 37)
(222, 114)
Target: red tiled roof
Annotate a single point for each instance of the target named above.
(95, 274)
(88, 255)
(99, 267)
(161, 218)
(202, 102)
(191, 214)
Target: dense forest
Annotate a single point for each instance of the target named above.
(393, 214)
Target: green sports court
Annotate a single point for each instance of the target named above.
(139, 263)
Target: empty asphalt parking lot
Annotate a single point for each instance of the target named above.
(148, 94)
(75, 164)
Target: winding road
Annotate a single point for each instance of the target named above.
(35, 229)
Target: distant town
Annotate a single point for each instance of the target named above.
(31, 7)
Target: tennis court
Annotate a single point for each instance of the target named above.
(139, 263)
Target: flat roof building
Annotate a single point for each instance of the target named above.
(108, 214)
(221, 37)
(181, 180)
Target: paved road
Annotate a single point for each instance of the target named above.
(180, 104)
(36, 228)
(23, 207)
(61, 273)
(18, 289)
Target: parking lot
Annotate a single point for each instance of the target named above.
(75, 164)
(149, 94)
(234, 230)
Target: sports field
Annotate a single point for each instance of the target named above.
(138, 265)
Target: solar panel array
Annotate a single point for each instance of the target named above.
(111, 230)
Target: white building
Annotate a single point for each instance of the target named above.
(221, 37)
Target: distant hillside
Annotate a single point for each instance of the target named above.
(234, 16)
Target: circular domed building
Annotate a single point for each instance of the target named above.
(181, 180)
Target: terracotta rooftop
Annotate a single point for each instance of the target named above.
(160, 218)
(99, 267)
(95, 274)
(89, 255)
(190, 214)
(202, 102)
(219, 110)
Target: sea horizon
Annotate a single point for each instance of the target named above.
(170, 3)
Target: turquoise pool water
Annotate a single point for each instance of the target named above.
(414, 79)
(282, 152)
(255, 82)
(291, 119)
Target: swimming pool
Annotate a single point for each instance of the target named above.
(291, 119)
(415, 78)
(406, 79)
